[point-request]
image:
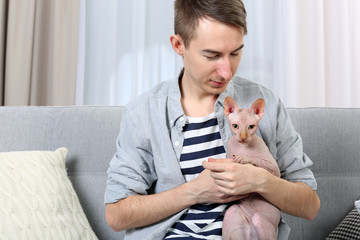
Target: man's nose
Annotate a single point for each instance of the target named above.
(224, 69)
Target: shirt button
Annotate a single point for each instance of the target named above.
(181, 119)
(177, 144)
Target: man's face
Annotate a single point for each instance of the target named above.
(212, 58)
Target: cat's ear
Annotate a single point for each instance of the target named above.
(230, 106)
(258, 108)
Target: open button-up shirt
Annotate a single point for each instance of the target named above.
(150, 143)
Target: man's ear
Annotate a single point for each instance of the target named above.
(177, 44)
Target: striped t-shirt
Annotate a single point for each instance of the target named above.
(201, 141)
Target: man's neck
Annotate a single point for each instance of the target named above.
(195, 104)
(198, 108)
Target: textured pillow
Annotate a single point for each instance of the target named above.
(349, 228)
(37, 199)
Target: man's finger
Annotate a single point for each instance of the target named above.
(221, 160)
(214, 166)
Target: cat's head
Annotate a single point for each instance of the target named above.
(244, 122)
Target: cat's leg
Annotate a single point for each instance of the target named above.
(236, 224)
(265, 223)
(268, 164)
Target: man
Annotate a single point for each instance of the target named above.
(153, 190)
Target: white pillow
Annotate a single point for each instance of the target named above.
(37, 199)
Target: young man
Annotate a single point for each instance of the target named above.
(161, 184)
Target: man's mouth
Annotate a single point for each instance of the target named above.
(218, 83)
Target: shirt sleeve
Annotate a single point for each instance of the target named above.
(293, 162)
(131, 170)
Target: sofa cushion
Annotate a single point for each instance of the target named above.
(37, 199)
(349, 228)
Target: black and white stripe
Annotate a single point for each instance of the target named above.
(202, 140)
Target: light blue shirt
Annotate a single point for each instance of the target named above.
(150, 142)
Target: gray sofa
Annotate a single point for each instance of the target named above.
(331, 139)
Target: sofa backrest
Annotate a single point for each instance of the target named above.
(331, 139)
(88, 132)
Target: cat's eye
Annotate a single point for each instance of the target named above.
(235, 126)
(251, 127)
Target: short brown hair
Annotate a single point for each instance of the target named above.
(189, 12)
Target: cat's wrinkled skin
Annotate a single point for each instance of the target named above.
(252, 217)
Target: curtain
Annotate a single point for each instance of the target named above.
(306, 51)
(3, 6)
(38, 51)
(127, 49)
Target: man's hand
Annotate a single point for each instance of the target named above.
(233, 178)
(142, 210)
(294, 198)
(206, 190)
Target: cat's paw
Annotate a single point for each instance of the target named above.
(242, 160)
(238, 159)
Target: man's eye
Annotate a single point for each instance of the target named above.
(234, 54)
(251, 127)
(212, 57)
(235, 126)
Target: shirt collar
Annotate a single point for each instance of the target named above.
(174, 108)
